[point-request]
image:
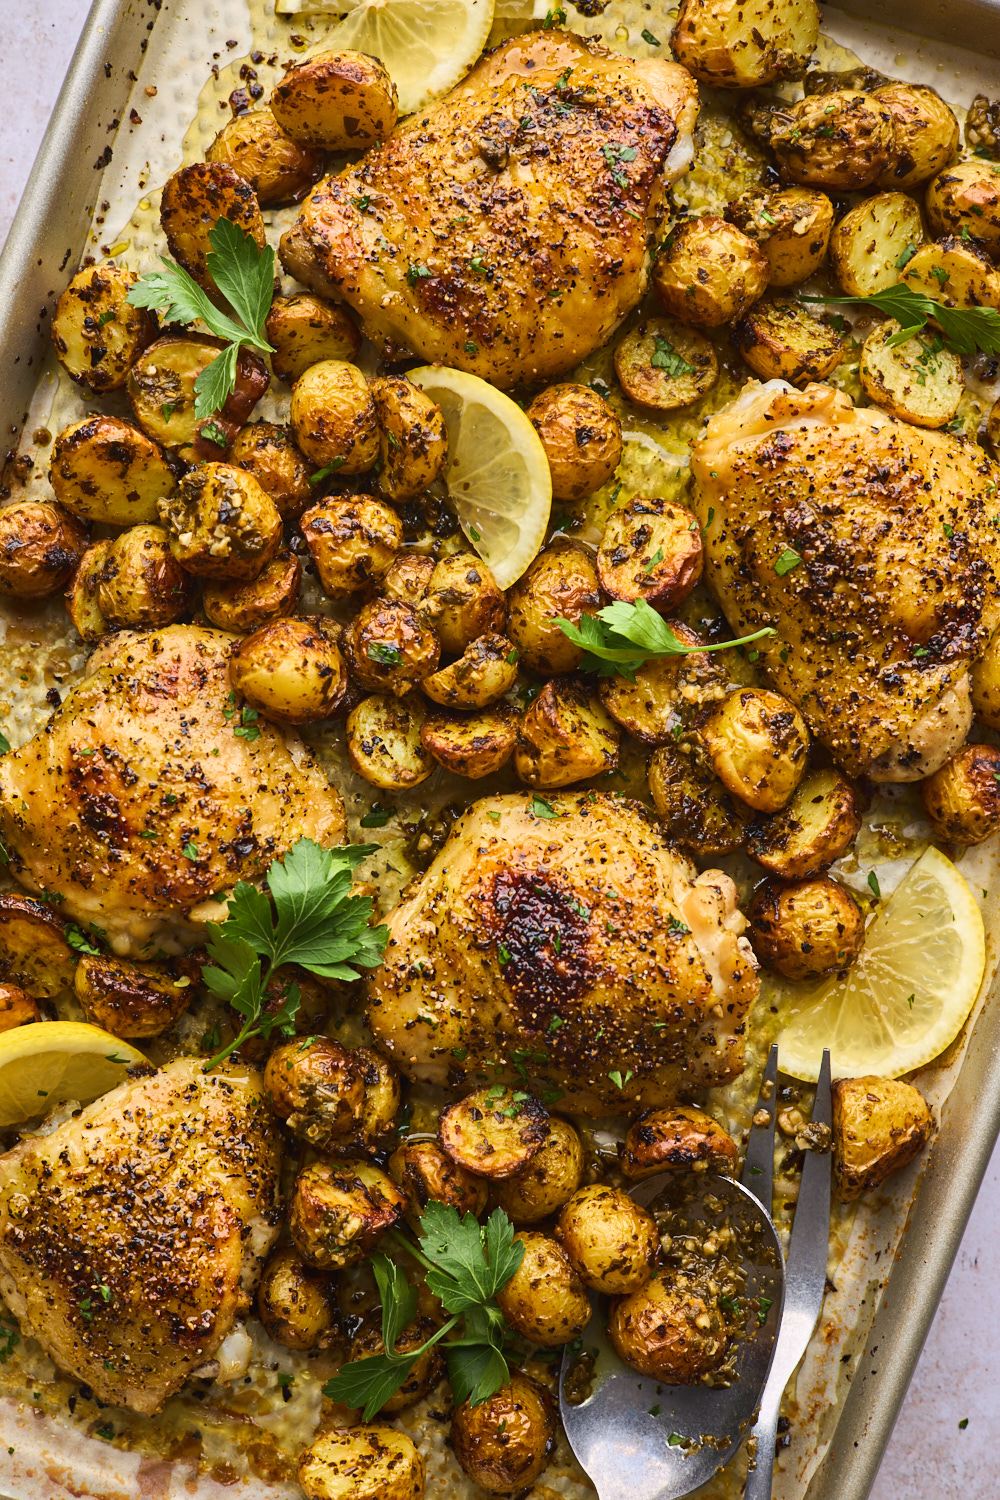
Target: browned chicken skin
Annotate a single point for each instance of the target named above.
(578, 946)
(504, 229)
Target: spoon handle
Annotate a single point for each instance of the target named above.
(758, 1163)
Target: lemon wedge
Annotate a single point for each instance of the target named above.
(426, 45)
(498, 477)
(51, 1061)
(908, 993)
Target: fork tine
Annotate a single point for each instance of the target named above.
(807, 1247)
(758, 1164)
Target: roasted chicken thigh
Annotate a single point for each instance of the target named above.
(505, 229)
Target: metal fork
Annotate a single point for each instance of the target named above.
(805, 1267)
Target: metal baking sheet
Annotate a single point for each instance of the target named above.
(92, 168)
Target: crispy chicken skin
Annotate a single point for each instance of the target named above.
(896, 592)
(504, 230)
(132, 1236)
(142, 745)
(580, 945)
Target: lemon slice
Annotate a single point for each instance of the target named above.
(908, 993)
(498, 477)
(426, 45)
(52, 1061)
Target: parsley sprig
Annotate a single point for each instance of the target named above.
(621, 638)
(467, 1264)
(313, 922)
(965, 329)
(244, 275)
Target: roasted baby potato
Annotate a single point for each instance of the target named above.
(193, 201)
(982, 127)
(957, 272)
(340, 1210)
(221, 523)
(697, 811)
(493, 1132)
(409, 577)
(879, 1124)
(290, 670)
(781, 340)
(544, 1300)
(104, 469)
(965, 200)
(651, 550)
(297, 1304)
(160, 388)
(919, 381)
(740, 46)
(668, 1333)
(984, 679)
(34, 953)
(412, 438)
(505, 1442)
(962, 798)
(581, 435)
(549, 1180)
(757, 742)
(82, 604)
(40, 548)
(464, 601)
(665, 693)
(269, 452)
(306, 330)
(471, 744)
(708, 272)
(339, 100)
(278, 169)
(486, 670)
(925, 131)
(333, 417)
(663, 365)
(561, 583)
(819, 822)
(373, 1462)
(383, 1092)
(242, 607)
(389, 647)
(97, 334)
(17, 1008)
(134, 1000)
(316, 1087)
(142, 583)
(678, 1139)
(873, 242)
(384, 744)
(791, 226)
(566, 736)
(805, 927)
(838, 140)
(353, 540)
(423, 1172)
(425, 1372)
(610, 1241)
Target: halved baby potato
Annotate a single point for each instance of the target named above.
(98, 335)
(581, 435)
(874, 241)
(741, 44)
(664, 365)
(221, 523)
(879, 1124)
(561, 583)
(245, 605)
(384, 744)
(104, 469)
(698, 813)
(133, 1000)
(781, 340)
(290, 670)
(472, 745)
(791, 226)
(82, 604)
(305, 330)
(493, 1132)
(17, 1008)
(193, 201)
(373, 1462)
(142, 584)
(925, 131)
(651, 550)
(919, 380)
(838, 140)
(34, 952)
(817, 825)
(353, 540)
(270, 453)
(412, 437)
(340, 1210)
(40, 548)
(426, 1174)
(160, 388)
(965, 199)
(339, 100)
(566, 736)
(486, 670)
(957, 272)
(278, 169)
(389, 647)
(708, 272)
(680, 1138)
(666, 693)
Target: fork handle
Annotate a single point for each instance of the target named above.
(761, 1478)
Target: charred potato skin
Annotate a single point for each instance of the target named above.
(545, 1300)
(610, 1241)
(305, 330)
(879, 1125)
(383, 1093)
(81, 597)
(805, 927)
(758, 743)
(491, 1134)
(966, 198)
(698, 812)
(505, 1443)
(709, 272)
(656, 1331)
(269, 452)
(581, 435)
(651, 550)
(706, 41)
(221, 523)
(34, 953)
(548, 1181)
(316, 1087)
(104, 469)
(413, 440)
(780, 340)
(135, 1000)
(278, 169)
(424, 1374)
(297, 1304)
(791, 226)
(338, 100)
(141, 582)
(486, 670)
(333, 417)
(561, 582)
(472, 745)
(679, 1139)
(566, 736)
(97, 334)
(815, 827)
(17, 1008)
(353, 540)
(384, 744)
(193, 201)
(389, 647)
(962, 798)
(838, 140)
(41, 546)
(424, 1173)
(290, 670)
(925, 131)
(340, 1210)
(464, 601)
(245, 607)
(370, 1462)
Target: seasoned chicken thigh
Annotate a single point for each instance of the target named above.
(870, 546)
(138, 802)
(505, 230)
(132, 1236)
(579, 946)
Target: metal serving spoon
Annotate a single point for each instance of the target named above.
(638, 1439)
